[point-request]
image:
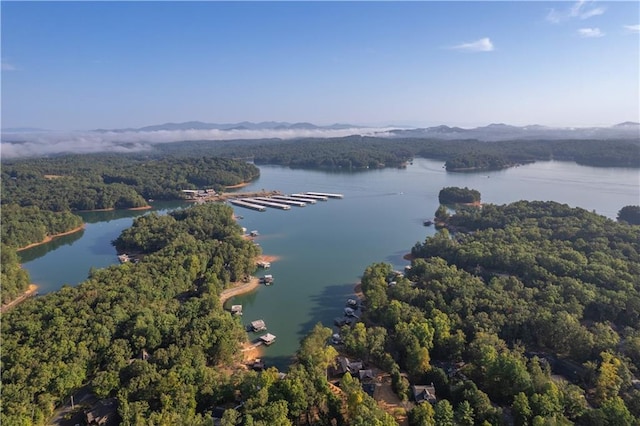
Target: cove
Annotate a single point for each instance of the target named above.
(324, 248)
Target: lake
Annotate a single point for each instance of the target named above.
(324, 248)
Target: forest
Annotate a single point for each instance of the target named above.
(22, 226)
(362, 152)
(513, 294)
(487, 313)
(526, 313)
(455, 195)
(154, 336)
(112, 181)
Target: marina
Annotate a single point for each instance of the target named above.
(292, 198)
(312, 196)
(272, 204)
(248, 205)
(276, 200)
(282, 201)
(325, 194)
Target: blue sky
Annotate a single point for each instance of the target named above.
(87, 65)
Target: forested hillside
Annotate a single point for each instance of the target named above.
(153, 335)
(88, 182)
(22, 226)
(358, 152)
(527, 289)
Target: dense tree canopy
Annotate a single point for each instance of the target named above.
(88, 182)
(519, 290)
(454, 195)
(22, 226)
(630, 214)
(360, 152)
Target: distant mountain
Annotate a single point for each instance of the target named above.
(244, 125)
(499, 132)
(627, 124)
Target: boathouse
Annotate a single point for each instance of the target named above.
(267, 339)
(258, 325)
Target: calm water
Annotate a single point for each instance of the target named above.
(325, 247)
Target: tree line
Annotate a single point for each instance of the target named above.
(22, 226)
(89, 182)
(363, 152)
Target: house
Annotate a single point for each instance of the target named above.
(366, 375)
(268, 338)
(344, 365)
(104, 412)
(422, 393)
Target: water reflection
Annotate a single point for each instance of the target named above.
(41, 250)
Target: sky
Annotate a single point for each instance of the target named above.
(89, 65)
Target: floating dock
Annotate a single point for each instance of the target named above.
(292, 198)
(315, 197)
(267, 203)
(282, 201)
(325, 194)
(247, 205)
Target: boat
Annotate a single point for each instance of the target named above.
(267, 280)
(254, 233)
(349, 312)
(124, 257)
(427, 223)
(352, 303)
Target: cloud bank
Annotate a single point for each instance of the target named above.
(482, 45)
(16, 145)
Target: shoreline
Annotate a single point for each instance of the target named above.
(237, 290)
(237, 185)
(50, 238)
(110, 209)
(31, 291)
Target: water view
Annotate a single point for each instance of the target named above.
(324, 248)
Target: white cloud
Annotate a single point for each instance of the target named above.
(593, 12)
(632, 28)
(590, 33)
(16, 145)
(579, 10)
(482, 45)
